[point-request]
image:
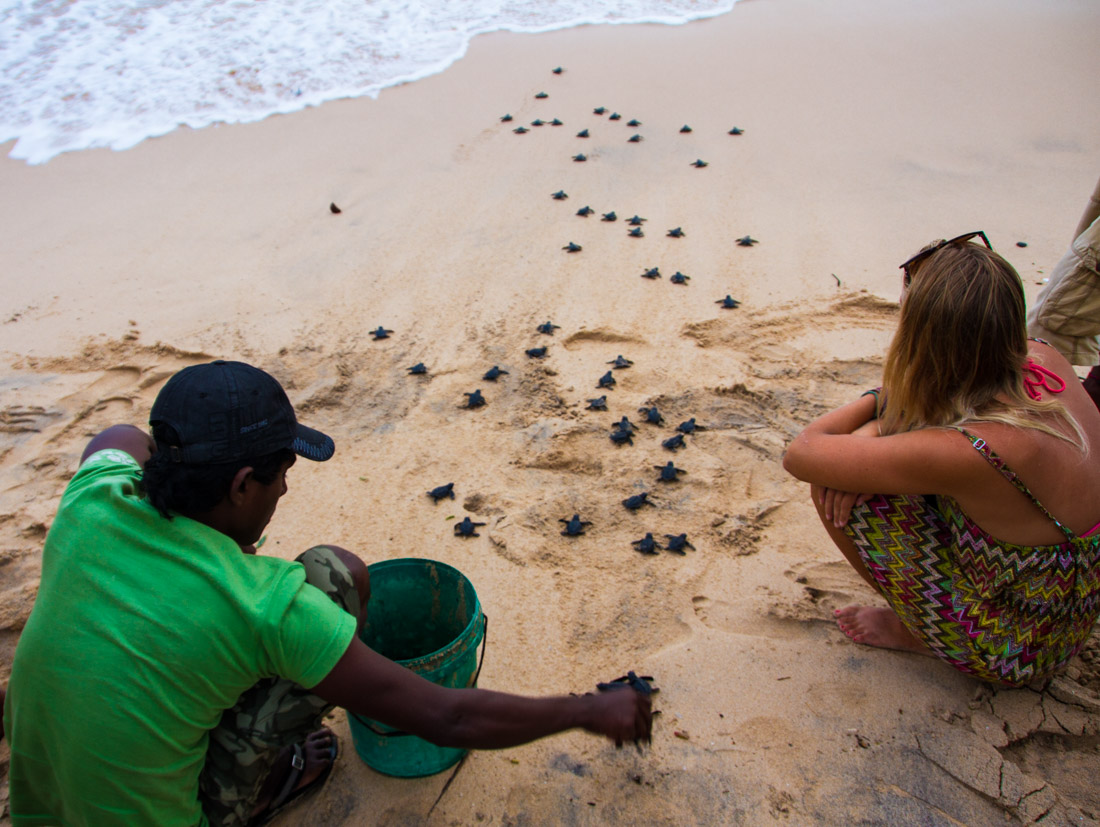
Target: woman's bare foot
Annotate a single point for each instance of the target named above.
(317, 754)
(878, 627)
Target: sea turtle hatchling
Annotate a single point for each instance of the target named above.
(598, 404)
(736, 131)
(634, 139)
(630, 681)
(538, 122)
(418, 369)
(606, 381)
(585, 211)
(674, 442)
(647, 545)
(652, 415)
(542, 95)
(380, 333)
(557, 71)
(652, 273)
(633, 122)
(494, 373)
(505, 118)
(676, 232)
(678, 278)
(442, 492)
(698, 163)
(685, 128)
(574, 527)
(636, 221)
(746, 241)
(620, 361)
(599, 110)
(637, 501)
(678, 542)
(614, 116)
(609, 216)
(583, 133)
(636, 233)
(625, 425)
(669, 472)
(548, 328)
(556, 122)
(580, 157)
(620, 436)
(474, 400)
(572, 247)
(729, 302)
(521, 130)
(560, 195)
(467, 528)
(689, 426)
(536, 352)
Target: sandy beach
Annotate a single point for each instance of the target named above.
(870, 128)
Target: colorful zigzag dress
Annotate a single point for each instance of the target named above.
(1002, 612)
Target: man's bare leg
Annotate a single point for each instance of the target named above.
(869, 625)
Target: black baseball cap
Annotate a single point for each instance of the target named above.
(227, 411)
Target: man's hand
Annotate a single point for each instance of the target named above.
(622, 716)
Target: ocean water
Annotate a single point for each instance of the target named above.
(78, 74)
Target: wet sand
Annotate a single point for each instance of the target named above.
(869, 129)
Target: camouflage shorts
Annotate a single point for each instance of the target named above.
(273, 714)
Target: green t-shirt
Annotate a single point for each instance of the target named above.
(144, 631)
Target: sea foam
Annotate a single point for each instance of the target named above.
(109, 73)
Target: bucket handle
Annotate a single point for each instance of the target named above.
(480, 661)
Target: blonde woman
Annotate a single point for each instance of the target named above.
(965, 490)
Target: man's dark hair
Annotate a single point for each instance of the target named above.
(175, 488)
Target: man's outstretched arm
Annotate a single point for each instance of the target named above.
(371, 685)
(128, 438)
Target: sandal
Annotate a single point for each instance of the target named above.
(291, 792)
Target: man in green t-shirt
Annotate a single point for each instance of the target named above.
(170, 675)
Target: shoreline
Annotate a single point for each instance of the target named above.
(860, 145)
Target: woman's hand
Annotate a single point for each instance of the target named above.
(837, 505)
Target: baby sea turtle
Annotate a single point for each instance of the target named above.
(614, 116)
(620, 362)
(548, 328)
(598, 404)
(556, 122)
(679, 278)
(574, 527)
(746, 241)
(737, 131)
(542, 95)
(636, 233)
(442, 492)
(637, 501)
(669, 472)
(380, 333)
(520, 130)
(676, 232)
(583, 133)
(599, 110)
(698, 163)
(678, 542)
(625, 424)
(610, 216)
(332, 208)
(631, 681)
(636, 221)
(606, 381)
(493, 373)
(466, 528)
(633, 139)
(475, 399)
(652, 273)
(418, 369)
(572, 248)
(536, 352)
(619, 436)
(674, 442)
(505, 118)
(689, 427)
(557, 71)
(633, 122)
(729, 302)
(538, 122)
(580, 157)
(652, 415)
(560, 195)
(584, 212)
(647, 545)
(685, 128)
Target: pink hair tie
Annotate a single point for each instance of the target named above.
(1038, 379)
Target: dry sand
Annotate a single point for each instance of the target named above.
(870, 126)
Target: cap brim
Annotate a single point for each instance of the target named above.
(313, 444)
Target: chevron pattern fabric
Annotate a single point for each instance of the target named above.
(1004, 613)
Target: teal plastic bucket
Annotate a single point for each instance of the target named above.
(424, 615)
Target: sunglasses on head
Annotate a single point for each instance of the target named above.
(911, 264)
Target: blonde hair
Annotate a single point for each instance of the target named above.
(959, 351)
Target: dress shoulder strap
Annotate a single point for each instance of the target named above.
(1002, 467)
